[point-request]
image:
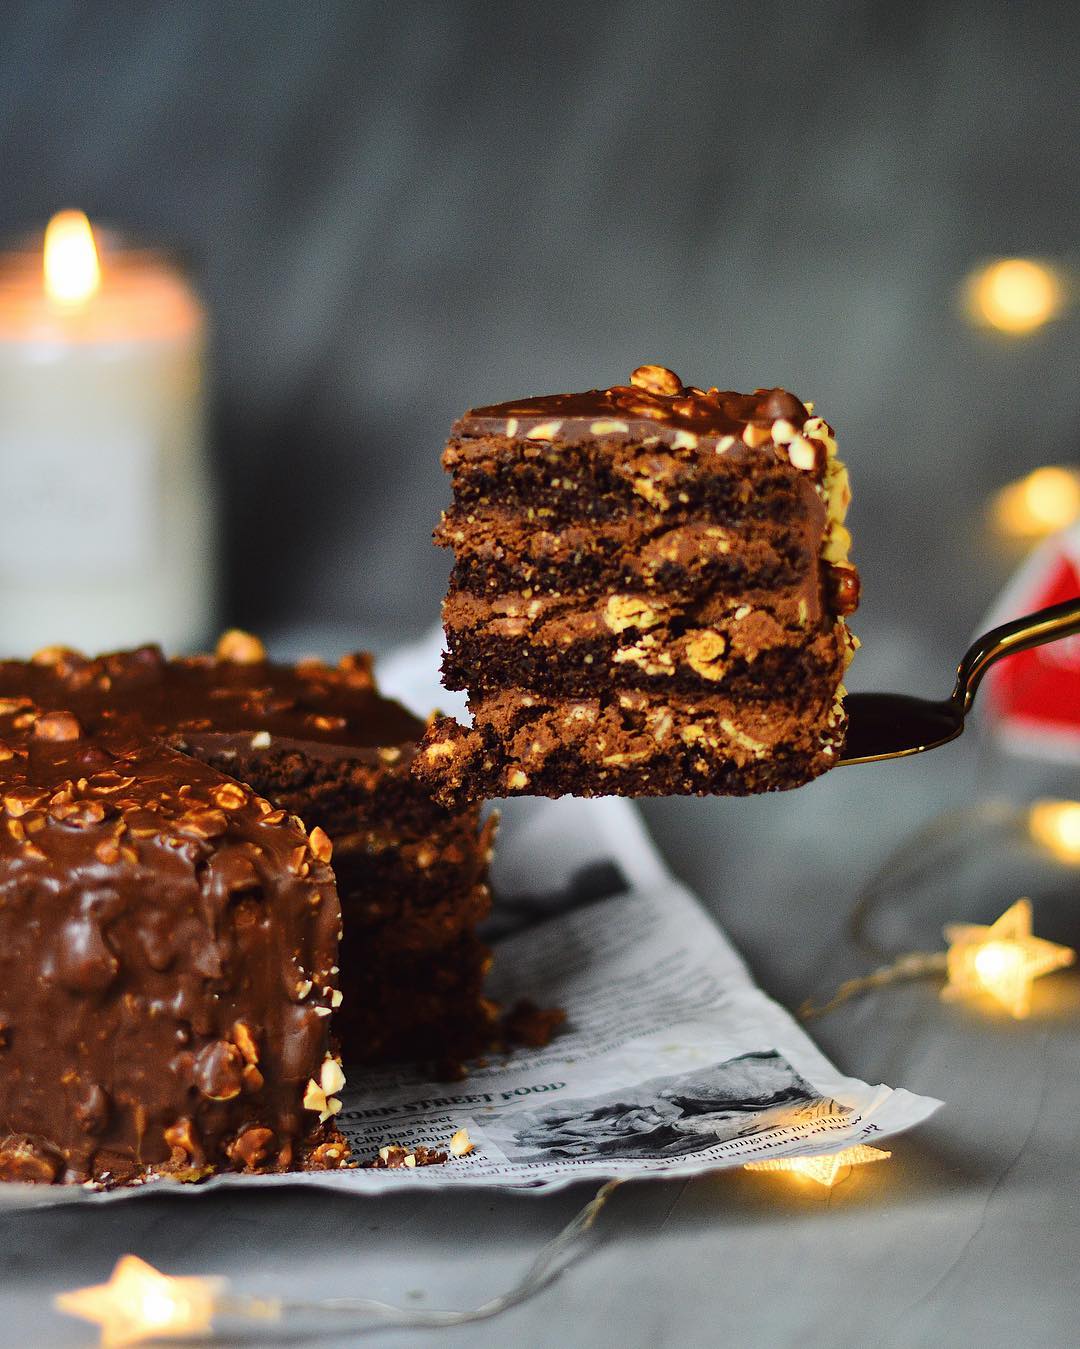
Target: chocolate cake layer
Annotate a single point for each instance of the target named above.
(396, 851)
(751, 649)
(446, 1017)
(602, 488)
(684, 558)
(168, 964)
(643, 559)
(634, 743)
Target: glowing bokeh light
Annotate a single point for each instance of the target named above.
(1014, 295)
(1045, 501)
(139, 1303)
(1055, 825)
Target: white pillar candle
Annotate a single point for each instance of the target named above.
(106, 530)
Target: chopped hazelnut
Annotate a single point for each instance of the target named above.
(320, 845)
(240, 648)
(802, 454)
(629, 611)
(229, 796)
(331, 1078)
(705, 651)
(656, 379)
(461, 1145)
(57, 726)
(756, 436)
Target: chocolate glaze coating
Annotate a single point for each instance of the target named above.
(168, 939)
(636, 413)
(159, 925)
(309, 703)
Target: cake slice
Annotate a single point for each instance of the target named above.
(648, 597)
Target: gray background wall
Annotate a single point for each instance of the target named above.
(397, 210)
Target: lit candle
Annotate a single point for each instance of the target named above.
(108, 535)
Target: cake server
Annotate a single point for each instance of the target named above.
(893, 725)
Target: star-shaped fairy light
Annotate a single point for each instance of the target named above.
(825, 1170)
(1003, 959)
(139, 1303)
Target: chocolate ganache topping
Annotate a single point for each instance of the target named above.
(655, 403)
(168, 938)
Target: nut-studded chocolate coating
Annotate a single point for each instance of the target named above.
(312, 703)
(153, 950)
(655, 404)
(320, 742)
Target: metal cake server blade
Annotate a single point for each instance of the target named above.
(894, 725)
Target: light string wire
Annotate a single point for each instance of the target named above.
(551, 1262)
(905, 968)
(920, 853)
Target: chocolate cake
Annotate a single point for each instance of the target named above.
(170, 931)
(648, 597)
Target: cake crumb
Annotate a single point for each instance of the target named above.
(395, 1157)
(531, 1026)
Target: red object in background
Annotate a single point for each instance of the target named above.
(1033, 699)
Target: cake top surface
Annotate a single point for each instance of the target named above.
(655, 402)
(94, 798)
(237, 691)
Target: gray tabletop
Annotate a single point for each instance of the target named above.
(969, 1235)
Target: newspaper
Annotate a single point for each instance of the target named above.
(671, 1062)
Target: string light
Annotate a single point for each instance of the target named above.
(1055, 826)
(1002, 959)
(1043, 502)
(139, 1303)
(1014, 295)
(824, 1170)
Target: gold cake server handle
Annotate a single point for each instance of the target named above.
(894, 725)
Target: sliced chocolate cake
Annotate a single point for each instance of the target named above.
(242, 750)
(648, 596)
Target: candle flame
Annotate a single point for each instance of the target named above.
(72, 269)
